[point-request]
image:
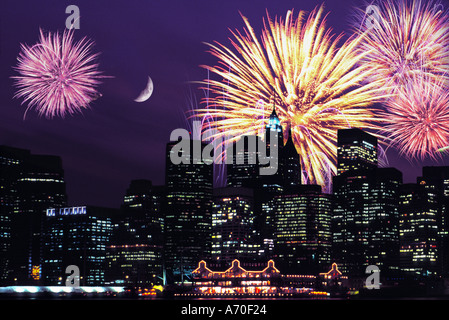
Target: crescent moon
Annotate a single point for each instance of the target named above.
(146, 93)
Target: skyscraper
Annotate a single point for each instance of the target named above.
(419, 230)
(243, 169)
(134, 253)
(366, 200)
(438, 176)
(424, 224)
(302, 229)
(30, 184)
(383, 221)
(274, 184)
(274, 124)
(356, 149)
(188, 214)
(11, 160)
(143, 204)
(76, 236)
(234, 235)
(287, 177)
(291, 163)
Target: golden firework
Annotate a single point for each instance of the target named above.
(298, 66)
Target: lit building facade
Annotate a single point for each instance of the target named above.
(291, 163)
(287, 177)
(302, 229)
(29, 185)
(274, 184)
(133, 265)
(188, 215)
(383, 221)
(356, 149)
(235, 279)
(419, 230)
(242, 168)
(365, 219)
(76, 236)
(11, 160)
(134, 253)
(438, 177)
(234, 234)
(240, 280)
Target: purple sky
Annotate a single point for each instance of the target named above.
(118, 139)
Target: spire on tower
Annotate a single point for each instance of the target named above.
(274, 123)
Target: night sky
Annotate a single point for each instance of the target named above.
(118, 140)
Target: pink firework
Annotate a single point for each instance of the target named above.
(417, 120)
(57, 76)
(405, 39)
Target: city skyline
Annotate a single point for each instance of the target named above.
(115, 203)
(252, 220)
(197, 150)
(119, 140)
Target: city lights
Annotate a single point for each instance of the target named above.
(270, 156)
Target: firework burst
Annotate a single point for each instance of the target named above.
(56, 75)
(298, 67)
(417, 120)
(404, 40)
(219, 167)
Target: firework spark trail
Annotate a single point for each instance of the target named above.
(56, 75)
(258, 117)
(219, 167)
(326, 172)
(382, 157)
(405, 40)
(443, 149)
(297, 66)
(417, 120)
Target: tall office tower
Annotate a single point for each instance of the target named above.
(30, 184)
(419, 229)
(383, 221)
(41, 185)
(143, 202)
(76, 236)
(10, 165)
(266, 227)
(350, 193)
(5, 243)
(245, 167)
(356, 149)
(288, 176)
(365, 222)
(273, 184)
(438, 178)
(274, 124)
(134, 253)
(242, 165)
(188, 215)
(365, 215)
(233, 233)
(11, 160)
(302, 230)
(291, 163)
